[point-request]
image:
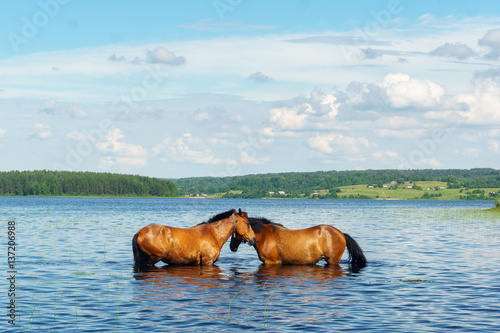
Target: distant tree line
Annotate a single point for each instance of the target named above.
(295, 184)
(61, 183)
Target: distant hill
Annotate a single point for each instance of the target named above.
(305, 184)
(61, 183)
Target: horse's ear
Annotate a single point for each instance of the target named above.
(240, 211)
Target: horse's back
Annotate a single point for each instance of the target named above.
(306, 246)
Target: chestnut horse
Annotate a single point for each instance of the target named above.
(279, 245)
(198, 245)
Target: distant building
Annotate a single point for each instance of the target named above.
(384, 186)
(271, 193)
(281, 192)
(409, 187)
(394, 182)
(370, 186)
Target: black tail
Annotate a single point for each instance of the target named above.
(140, 259)
(356, 255)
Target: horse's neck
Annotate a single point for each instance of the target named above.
(222, 230)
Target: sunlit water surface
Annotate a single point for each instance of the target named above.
(433, 266)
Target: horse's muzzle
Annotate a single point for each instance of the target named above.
(252, 241)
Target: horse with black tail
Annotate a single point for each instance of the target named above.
(279, 245)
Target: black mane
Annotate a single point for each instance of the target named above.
(258, 222)
(219, 217)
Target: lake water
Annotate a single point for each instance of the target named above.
(433, 266)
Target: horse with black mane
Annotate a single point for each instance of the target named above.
(198, 245)
(279, 245)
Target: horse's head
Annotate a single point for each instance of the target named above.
(236, 239)
(235, 242)
(242, 229)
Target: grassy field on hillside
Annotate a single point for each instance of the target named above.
(433, 189)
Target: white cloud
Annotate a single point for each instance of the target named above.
(288, 118)
(316, 110)
(483, 106)
(251, 160)
(50, 107)
(459, 51)
(403, 91)
(339, 144)
(491, 40)
(161, 55)
(179, 150)
(111, 145)
(76, 110)
(259, 77)
(394, 91)
(2, 132)
(41, 131)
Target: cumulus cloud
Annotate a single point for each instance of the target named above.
(41, 131)
(403, 91)
(259, 77)
(483, 106)
(252, 160)
(315, 110)
(289, 118)
(491, 40)
(112, 145)
(49, 107)
(396, 91)
(161, 55)
(179, 150)
(458, 51)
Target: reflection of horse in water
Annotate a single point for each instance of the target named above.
(198, 245)
(279, 245)
(170, 276)
(303, 274)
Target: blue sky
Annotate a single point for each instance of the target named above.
(228, 87)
